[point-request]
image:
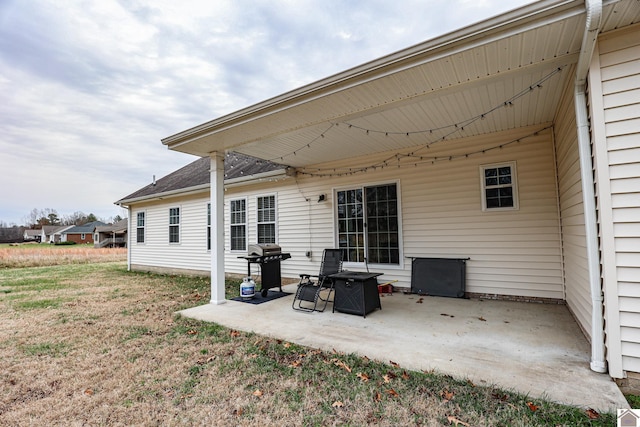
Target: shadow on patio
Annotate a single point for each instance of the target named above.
(532, 348)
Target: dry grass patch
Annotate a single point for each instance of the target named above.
(33, 255)
(111, 352)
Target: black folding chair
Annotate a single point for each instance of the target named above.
(309, 290)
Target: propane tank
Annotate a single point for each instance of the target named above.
(247, 288)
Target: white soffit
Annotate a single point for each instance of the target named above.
(421, 93)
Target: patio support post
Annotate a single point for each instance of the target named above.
(217, 228)
(592, 28)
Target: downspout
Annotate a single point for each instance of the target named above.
(592, 28)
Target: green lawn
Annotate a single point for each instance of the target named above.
(93, 344)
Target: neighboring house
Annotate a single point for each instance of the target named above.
(81, 233)
(32, 235)
(113, 235)
(53, 233)
(514, 142)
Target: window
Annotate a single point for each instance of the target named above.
(499, 189)
(208, 226)
(82, 236)
(238, 225)
(140, 227)
(267, 219)
(174, 225)
(368, 224)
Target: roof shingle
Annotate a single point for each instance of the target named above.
(197, 173)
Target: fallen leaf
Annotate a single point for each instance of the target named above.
(419, 301)
(456, 421)
(405, 375)
(234, 334)
(238, 412)
(592, 414)
(287, 345)
(469, 382)
(532, 406)
(482, 319)
(394, 364)
(88, 392)
(253, 356)
(392, 392)
(257, 393)
(447, 395)
(296, 363)
(377, 397)
(192, 332)
(337, 404)
(363, 377)
(501, 397)
(343, 365)
(389, 376)
(366, 358)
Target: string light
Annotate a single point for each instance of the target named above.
(420, 161)
(454, 128)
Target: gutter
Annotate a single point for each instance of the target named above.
(592, 28)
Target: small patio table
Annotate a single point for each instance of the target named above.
(356, 292)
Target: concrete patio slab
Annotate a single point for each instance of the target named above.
(536, 349)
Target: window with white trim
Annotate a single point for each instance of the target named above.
(208, 226)
(238, 232)
(499, 186)
(174, 225)
(266, 217)
(369, 224)
(140, 227)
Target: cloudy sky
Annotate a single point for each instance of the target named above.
(88, 88)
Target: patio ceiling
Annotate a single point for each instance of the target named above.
(504, 73)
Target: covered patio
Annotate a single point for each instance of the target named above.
(531, 348)
(431, 124)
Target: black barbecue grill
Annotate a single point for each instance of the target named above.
(268, 255)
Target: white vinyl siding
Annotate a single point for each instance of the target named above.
(191, 254)
(512, 252)
(619, 187)
(515, 252)
(574, 250)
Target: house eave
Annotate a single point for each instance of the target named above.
(497, 27)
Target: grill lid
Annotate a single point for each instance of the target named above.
(262, 249)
